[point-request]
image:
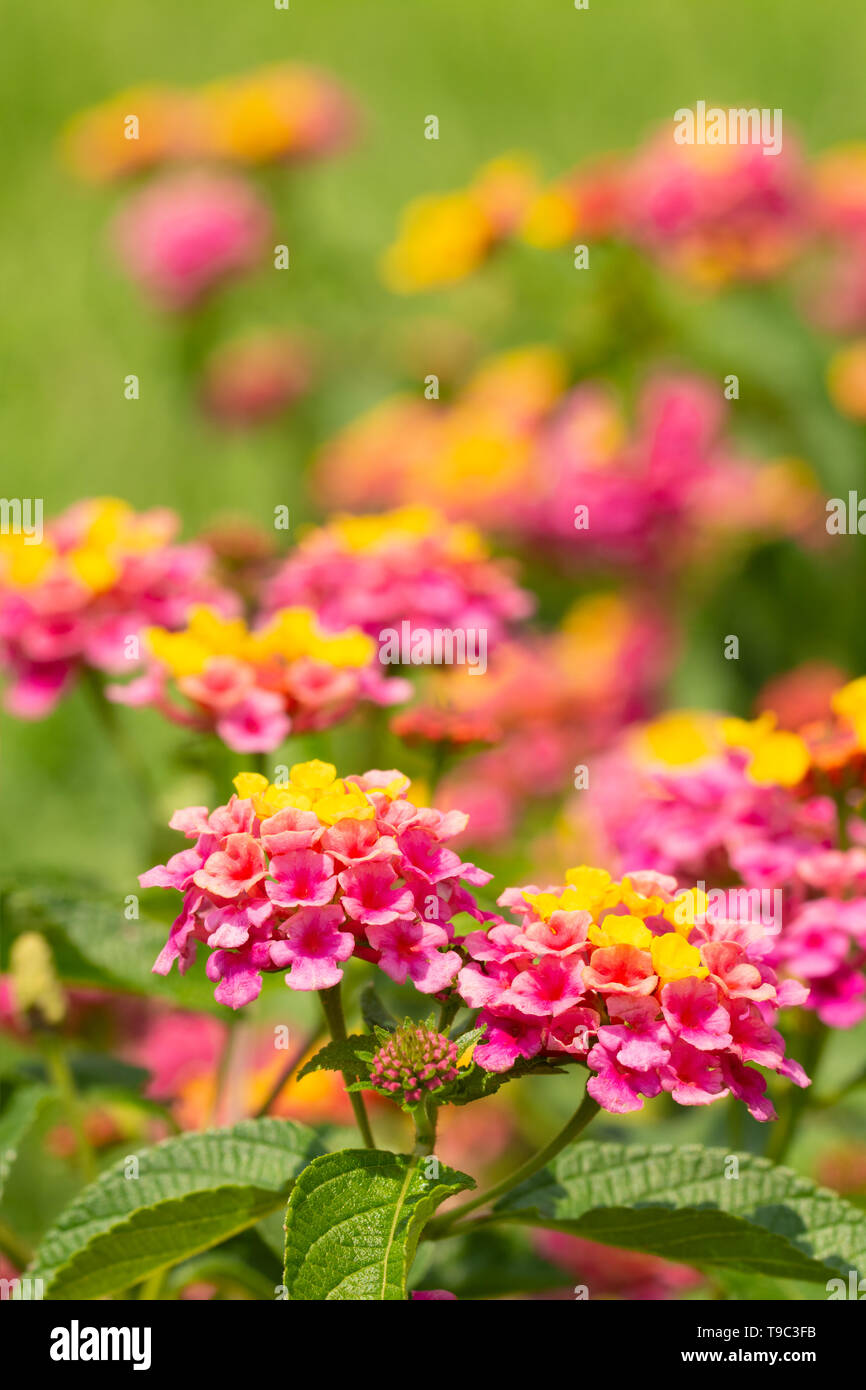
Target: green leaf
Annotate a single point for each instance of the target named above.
(19, 1117)
(93, 942)
(679, 1204)
(191, 1192)
(353, 1223)
(374, 1011)
(474, 1083)
(344, 1056)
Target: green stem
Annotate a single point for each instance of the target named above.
(61, 1074)
(425, 1117)
(332, 1005)
(799, 1097)
(223, 1068)
(125, 750)
(288, 1071)
(151, 1290)
(586, 1111)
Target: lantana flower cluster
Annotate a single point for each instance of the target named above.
(405, 566)
(524, 455)
(768, 810)
(81, 595)
(713, 212)
(645, 984)
(254, 686)
(301, 877)
(281, 112)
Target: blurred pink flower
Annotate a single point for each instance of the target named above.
(186, 233)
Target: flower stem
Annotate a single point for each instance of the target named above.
(424, 1116)
(799, 1099)
(288, 1070)
(333, 1006)
(61, 1074)
(586, 1111)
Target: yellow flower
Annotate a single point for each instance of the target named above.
(637, 904)
(590, 888)
(683, 736)
(621, 931)
(849, 703)
(782, 759)
(550, 219)
(23, 564)
(747, 733)
(343, 801)
(249, 784)
(221, 636)
(95, 569)
(442, 239)
(675, 959)
(686, 908)
(313, 776)
(181, 654)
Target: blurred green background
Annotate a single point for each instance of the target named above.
(501, 75)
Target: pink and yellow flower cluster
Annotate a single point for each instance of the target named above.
(303, 876)
(409, 565)
(254, 686)
(82, 594)
(641, 982)
(283, 112)
(767, 810)
(525, 455)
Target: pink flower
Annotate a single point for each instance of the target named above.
(234, 869)
(312, 947)
(693, 1013)
(185, 233)
(257, 723)
(304, 878)
(370, 897)
(410, 950)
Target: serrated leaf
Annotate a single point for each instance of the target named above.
(343, 1056)
(353, 1223)
(191, 1192)
(679, 1204)
(16, 1122)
